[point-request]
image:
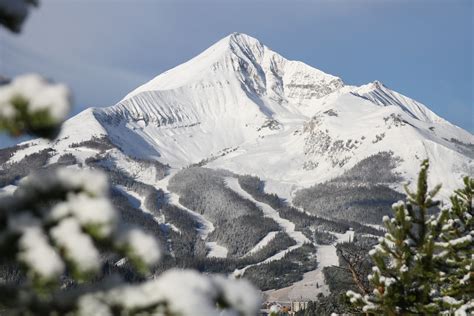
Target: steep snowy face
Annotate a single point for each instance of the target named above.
(240, 106)
(258, 70)
(302, 82)
(223, 78)
(179, 151)
(379, 94)
(234, 69)
(237, 91)
(351, 125)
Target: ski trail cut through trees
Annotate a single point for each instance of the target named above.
(268, 211)
(138, 202)
(206, 227)
(262, 243)
(215, 250)
(313, 282)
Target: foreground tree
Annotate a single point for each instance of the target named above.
(30, 104)
(58, 230)
(423, 265)
(456, 256)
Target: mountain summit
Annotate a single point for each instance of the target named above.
(241, 106)
(238, 56)
(193, 155)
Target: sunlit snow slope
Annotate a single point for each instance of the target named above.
(241, 106)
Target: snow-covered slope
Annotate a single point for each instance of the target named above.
(243, 107)
(236, 91)
(313, 282)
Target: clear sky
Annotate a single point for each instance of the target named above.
(105, 48)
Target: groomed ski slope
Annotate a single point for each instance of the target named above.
(206, 227)
(262, 243)
(216, 250)
(149, 177)
(313, 282)
(137, 201)
(287, 226)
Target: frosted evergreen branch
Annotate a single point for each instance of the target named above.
(31, 105)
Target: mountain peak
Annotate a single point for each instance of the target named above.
(378, 85)
(244, 39)
(237, 36)
(258, 70)
(234, 42)
(381, 95)
(243, 45)
(242, 107)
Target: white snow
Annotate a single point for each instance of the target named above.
(78, 247)
(224, 55)
(262, 243)
(461, 240)
(40, 94)
(91, 181)
(94, 183)
(450, 300)
(465, 309)
(142, 172)
(184, 292)
(7, 190)
(87, 200)
(287, 226)
(219, 104)
(139, 202)
(211, 102)
(215, 250)
(206, 226)
(74, 225)
(37, 253)
(313, 282)
(379, 94)
(223, 98)
(88, 211)
(143, 246)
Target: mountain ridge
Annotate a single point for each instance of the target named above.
(225, 53)
(243, 162)
(241, 106)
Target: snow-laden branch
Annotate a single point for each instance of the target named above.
(30, 104)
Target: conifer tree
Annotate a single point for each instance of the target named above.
(456, 257)
(59, 225)
(404, 272)
(424, 263)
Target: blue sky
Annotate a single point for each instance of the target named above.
(105, 48)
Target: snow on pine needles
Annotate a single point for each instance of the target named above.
(33, 105)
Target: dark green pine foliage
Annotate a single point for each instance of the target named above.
(456, 257)
(404, 269)
(425, 263)
(25, 121)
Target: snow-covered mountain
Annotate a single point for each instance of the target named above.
(241, 108)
